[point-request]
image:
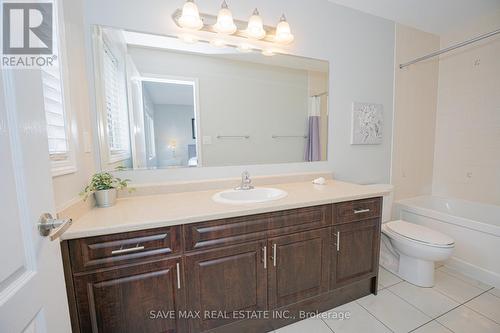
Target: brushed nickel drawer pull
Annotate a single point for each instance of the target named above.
(264, 256)
(360, 211)
(127, 250)
(178, 276)
(274, 254)
(338, 241)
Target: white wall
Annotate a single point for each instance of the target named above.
(173, 122)
(467, 151)
(67, 187)
(359, 47)
(415, 103)
(239, 98)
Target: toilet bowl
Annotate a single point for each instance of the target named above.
(418, 248)
(410, 250)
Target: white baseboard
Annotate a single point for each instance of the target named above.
(475, 272)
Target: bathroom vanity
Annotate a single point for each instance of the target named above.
(213, 274)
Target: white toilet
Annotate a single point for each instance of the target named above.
(410, 250)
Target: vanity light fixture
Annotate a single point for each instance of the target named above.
(283, 32)
(190, 18)
(225, 23)
(223, 30)
(255, 27)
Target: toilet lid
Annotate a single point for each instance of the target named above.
(419, 233)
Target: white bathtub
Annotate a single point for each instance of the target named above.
(474, 226)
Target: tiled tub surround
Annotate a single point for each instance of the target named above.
(455, 304)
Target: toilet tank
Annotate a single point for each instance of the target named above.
(388, 199)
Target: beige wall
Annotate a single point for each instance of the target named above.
(67, 187)
(467, 151)
(415, 100)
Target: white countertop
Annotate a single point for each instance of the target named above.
(152, 211)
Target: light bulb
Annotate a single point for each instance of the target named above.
(283, 32)
(225, 23)
(190, 18)
(255, 28)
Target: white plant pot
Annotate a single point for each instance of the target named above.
(105, 198)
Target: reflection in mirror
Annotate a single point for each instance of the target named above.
(163, 103)
(168, 107)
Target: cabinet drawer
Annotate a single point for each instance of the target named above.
(357, 210)
(254, 227)
(217, 233)
(295, 220)
(111, 250)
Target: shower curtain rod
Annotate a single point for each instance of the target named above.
(451, 48)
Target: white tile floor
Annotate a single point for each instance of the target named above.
(455, 304)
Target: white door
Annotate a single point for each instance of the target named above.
(32, 287)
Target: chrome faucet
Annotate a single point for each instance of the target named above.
(245, 182)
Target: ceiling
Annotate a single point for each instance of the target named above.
(435, 16)
(169, 93)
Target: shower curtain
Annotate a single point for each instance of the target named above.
(313, 146)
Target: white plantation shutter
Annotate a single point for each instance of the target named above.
(116, 111)
(54, 112)
(57, 106)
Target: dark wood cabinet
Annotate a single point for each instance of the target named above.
(299, 266)
(124, 248)
(140, 298)
(212, 275)
(355, 251)
(224, 281)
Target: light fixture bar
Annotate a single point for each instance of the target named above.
(209, 20)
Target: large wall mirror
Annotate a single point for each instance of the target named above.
(163, 103)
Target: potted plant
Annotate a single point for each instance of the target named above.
(104, 187)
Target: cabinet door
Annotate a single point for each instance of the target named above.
(355, 251)
(223, 281)
(299, 266)
(140, 298)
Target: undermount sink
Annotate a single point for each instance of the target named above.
(255, 195)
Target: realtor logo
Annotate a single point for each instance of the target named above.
(27, 32)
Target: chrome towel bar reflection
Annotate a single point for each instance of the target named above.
(233, 136)
(289, 136)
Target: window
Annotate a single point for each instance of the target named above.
(117, 124)
(56, 107)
